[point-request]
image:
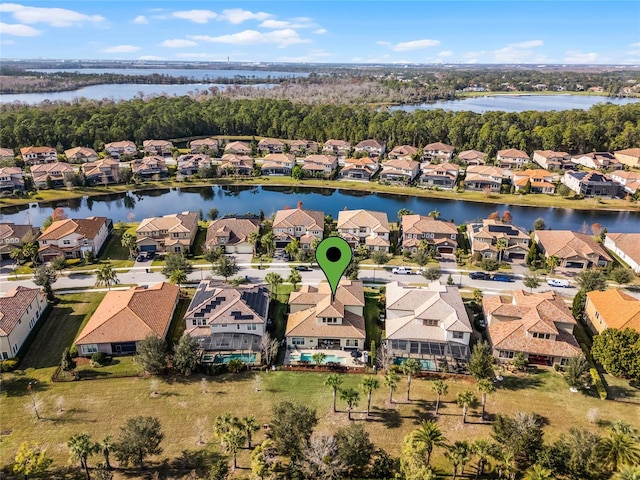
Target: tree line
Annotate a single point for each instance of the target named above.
(604, 127)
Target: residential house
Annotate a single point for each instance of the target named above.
(596, 160)
(533, 181)
(359, 169)
(437, 233)
(403, 152)
(173, 233)
(150, 167)
(119, 149)
(336, 147)
(224, 319)
(315, 321)
(14, 236)
(103, 172)
(612, 309)
(232, 233)
(58, 172)
(300, 147)
(483, 177)
(472, 157)
(81, 155)
(591, 184)
(11, 178)
(233, 164)
(7, 154)
(573, 249)
(38, 155)
(629, 180)
(20, 310)
(280, 164)
(157, 147)
(539, 325)
(320, 166)
(400, 171)
(298, 224)
(511, 158)
(240, 148)
(208, 146)
(439, 175)
(190, 164)
(484, 237)
(630, 157)
(364, 227)
(125, 318)
(437, 152)
(270, 145)
(626, 246)
(71, 238)
(373, 148)
(429, 324)
(550, 160)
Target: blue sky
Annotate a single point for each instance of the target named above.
(319, 31)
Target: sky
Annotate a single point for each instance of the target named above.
(318, 31)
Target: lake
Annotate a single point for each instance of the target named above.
(179, 72)
(518, 103)
(243, 199)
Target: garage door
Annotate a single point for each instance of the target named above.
(517, 256)
(575, 265)
(147, 248)
(446, 249)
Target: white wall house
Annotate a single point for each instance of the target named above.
(20, 310)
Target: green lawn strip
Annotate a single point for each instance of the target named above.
(119, 366)
(114, 250)
(372, 317)
(177, 327)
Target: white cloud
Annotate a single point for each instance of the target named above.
(238, 15)
(416, 45)
(635, 45)
(520, 52)
(282, 38)
(576, 56)
(150, 57)
(196, 16)
(18, 30)
(445, 53)
(121, 49)
(300, 22)
(55, 17)
(320, 31)
(528, 44)
(141, 20)
(178, 43)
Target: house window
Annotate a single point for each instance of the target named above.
(88, 349)
(564, 361)
(505, 354)
(458, 335)
(199, 322)
(351, 342)
(297, 341)
(5, 355)
(66, 242)
(177, 249)
(175, 235)
(453, 236)
(251, 326)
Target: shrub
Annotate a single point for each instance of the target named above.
(597, 381)
(99, 358)
(9, 364)
(235, 365)
(73, 351)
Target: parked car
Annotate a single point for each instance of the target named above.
(479, 276)
(499, 277)
(557, 282)
(402, 271)
(303, 268)
(151, 255)
(141, 257)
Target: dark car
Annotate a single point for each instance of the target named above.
(498, 277)
(151, 255)
(140, 258)
(303, 268)
(479, 276)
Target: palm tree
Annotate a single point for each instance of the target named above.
(253, 239)
(352, 397)
(627, 472)
(391, 380)
(505, 458)
(369, 384)
(294, 278)
(30, 250)
(105, 277)
(106, 447)
(233, 440)
(334, 381)
(17, 254)
(273, 279)
(318, 358)
(485, 386)
(430, 435)
(501, 246)
(440, 388)
(465, 400)
(482, 449)
(620, 449)
(178, 277)
(223, 423)
(458, 455)
(250, 426)
(538, 472)
(552, 262)
(80, 446)
(434, 213)
(267, 241)
(410, 368)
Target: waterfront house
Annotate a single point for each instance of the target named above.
(484, 237)
(439, 175)
(13, 236)
(626, 246)
(208, 146)
(611, 309)
(232, 233)
(173, 233)
(596, 160)
(71, 238)
(573, 249)
(104, 171)
(20, 311)
(550, 160)
(364, 227)
(11, 178)
(362, 169)
(538, 325)
(339, 148)
(298, 224)
(278, 164)
(403, 152)
(226, 320)
(472, 157)
(630, 157)
(300, 147)
(324, 166)
(629, 180)
(511, 158)
(426, 323)
(591, 184)
(150, 167)
(437, 152)
(125, 318)
(483, 177)
(81, 155)
(399, 171)
(7, 154)
(38, 155)
(240, 148)
(119, 149)
(437, 233)
(190, 164)
(270, 145)
(315, 321)
(157, 147)
(233, 164)
(58, 172)
(535, 181)
(373, 148)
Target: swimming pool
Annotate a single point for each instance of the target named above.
(308, 357)
(226, 357)
(426, 364)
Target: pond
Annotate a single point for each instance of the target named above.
(135, 206)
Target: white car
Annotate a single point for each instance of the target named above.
(402, 271)
(556, 282)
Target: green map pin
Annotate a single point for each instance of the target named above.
(333, 254)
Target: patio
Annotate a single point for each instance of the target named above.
(302, 356)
